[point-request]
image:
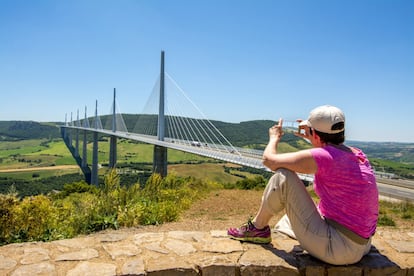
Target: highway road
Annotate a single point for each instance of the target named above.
(398, 189)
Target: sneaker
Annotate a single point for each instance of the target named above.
(249, 233)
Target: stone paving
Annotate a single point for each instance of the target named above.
(195, 253)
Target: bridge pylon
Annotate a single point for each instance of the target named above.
(113, 138)
(85, 144)
(65, 132)
(160, 153)
(94, 176)
(77, 136)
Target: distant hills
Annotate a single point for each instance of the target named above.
(392, 151)
(240, 134)
(23, 130)
(249, 133)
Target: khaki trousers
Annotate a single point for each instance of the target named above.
(285, 191)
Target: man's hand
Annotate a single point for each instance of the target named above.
(276, 131)
(303, 131)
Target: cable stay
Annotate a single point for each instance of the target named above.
(185, 128)
(119, 120)
(192, 128)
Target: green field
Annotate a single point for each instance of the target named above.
(33, 154)
(40, 153)
(38, 174)
(204, 171)
(29, 153)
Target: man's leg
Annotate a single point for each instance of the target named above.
(285, 191)
(304, 222)
(284, 188)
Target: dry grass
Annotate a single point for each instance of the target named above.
(228, 208)
(218, 211)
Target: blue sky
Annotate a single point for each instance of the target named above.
(237, 60)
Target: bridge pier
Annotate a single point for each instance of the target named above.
(77, 142)
(160, 160)
(84, 151)
(112, 151)
(85, 169)
(113, 139)
(94, 175)
(160, 153)
(77, 136)
(69, 133)
(84, 163)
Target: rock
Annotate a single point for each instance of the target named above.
(7, 263)
(44, 268)
(92, 269)
(34, 255)
(81, 255)
(196, 253)
(119, 249)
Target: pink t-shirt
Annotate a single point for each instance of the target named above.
(346, 186)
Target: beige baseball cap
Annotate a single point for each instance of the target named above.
(324, 117)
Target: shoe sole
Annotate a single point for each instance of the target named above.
(252, 239)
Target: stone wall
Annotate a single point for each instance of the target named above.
(195, 253)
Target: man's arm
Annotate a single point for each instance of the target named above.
(301, 161)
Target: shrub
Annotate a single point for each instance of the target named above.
(34, 219)
(82, 209)
(7, 216)
(130, 214)
(75, 214)
(76, 187)
(152, 187)
(390, 211)
(257, 182)
(384, 220)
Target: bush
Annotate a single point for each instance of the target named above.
(81, 209)
(7, 216)
(76, 187)
(165, 198)
(403, 210)
(75, 214)
(34, 219)
(384, 220)
(257, 182)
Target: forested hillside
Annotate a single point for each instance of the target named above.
(398, 152)
(249, 133)
(239, 134)
(21, 130)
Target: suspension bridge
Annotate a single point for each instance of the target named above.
(168, 127)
